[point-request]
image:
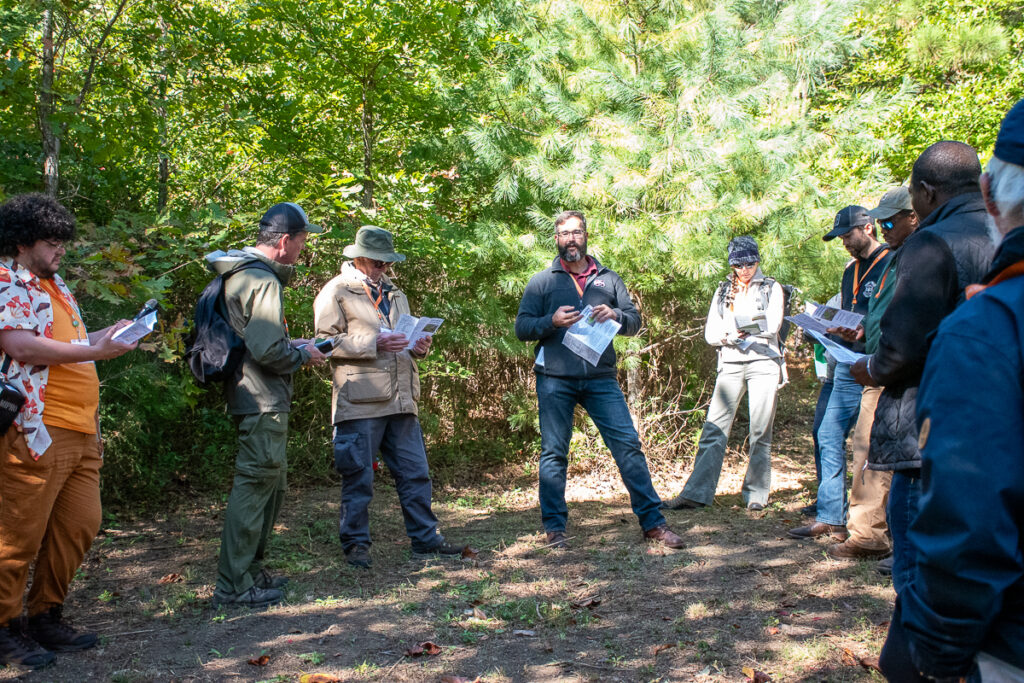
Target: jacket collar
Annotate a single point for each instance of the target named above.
(1009, 252)
(969, 201)
(556, 265)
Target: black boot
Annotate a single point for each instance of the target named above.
(52, 632)
(17, 648)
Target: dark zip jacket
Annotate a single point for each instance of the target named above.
(552, 288)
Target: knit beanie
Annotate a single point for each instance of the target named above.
(743, 251)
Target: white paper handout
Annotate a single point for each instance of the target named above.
(839, 352)
(137, 330)
(415, 328)
(589, 338)
(753, 325)
(820, 317)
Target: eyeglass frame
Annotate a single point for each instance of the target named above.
(577, 233)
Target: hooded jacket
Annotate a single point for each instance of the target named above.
(254, 300)
(950, 250)
(367, 382)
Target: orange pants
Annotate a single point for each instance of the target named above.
(49, 512)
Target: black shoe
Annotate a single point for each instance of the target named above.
(756, 507)
(358, 556)
(51, 631)
(681, 503)
(809, 510)
(442, 548)
(264, 579)
(254, 597)
(17, 648)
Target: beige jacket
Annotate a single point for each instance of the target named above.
(366, 383)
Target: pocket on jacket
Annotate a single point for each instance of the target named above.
(347, 459)
(371, 386)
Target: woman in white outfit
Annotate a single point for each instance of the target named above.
(744, 321)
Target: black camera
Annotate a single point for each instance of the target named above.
(11, 399)
(324, 345)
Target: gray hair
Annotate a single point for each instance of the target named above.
(1007, 187)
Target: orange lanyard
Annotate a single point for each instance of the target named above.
(579, 290)
(1016, 270)
(376, 303)
(858, 281)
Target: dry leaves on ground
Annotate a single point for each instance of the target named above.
(171, 578)
(262, 660)
(424, 648)
(755, 676)
(318, 678)
(661, 648)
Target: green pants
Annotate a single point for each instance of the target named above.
(261, 471)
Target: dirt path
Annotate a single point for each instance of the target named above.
(609, 609)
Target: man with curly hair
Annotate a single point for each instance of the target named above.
(50, 458)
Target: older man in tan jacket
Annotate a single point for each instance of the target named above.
(376, 386)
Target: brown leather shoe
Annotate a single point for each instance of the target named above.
(662, 534)
(557, 540)
(848, 550)
(819, 529)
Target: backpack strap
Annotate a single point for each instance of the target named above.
(765, 291)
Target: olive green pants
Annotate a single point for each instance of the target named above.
(261, 470)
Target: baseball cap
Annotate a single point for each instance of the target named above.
(287, 217)
(1010, 140)
(891, 203)
(847, 219)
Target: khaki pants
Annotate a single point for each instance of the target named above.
(49, 512)
(870, 491)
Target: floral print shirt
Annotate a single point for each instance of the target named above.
(25, 305)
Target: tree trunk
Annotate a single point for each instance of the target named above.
(367, 126)
(50, 139)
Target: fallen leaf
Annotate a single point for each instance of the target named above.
(783, 613)
(661, 648)
(424, 648)
(850, 659)
(587, 602)
(318, 678)
(479, 614)
(295, 630)
(773, 630)
(469, 553)
(171, 578)
(870, 663)
(522, 632)
(262, 661)
(756, 676)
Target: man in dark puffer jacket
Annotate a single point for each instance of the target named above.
(950, 250)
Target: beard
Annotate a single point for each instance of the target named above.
(994, 233)
(578, 254)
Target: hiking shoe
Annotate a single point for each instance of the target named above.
(443, 548)
(264, 579)
(51, 631)
(755, 507)
(556, 540)
(254, 597)
(681, 503)
(885, 566)
(358, 556)
(848, 550)
(17, 648)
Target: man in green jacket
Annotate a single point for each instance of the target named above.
(259, 397)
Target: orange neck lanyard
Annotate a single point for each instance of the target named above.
(376, 303)
(65, 303)
(858, 281)
(1016, 270)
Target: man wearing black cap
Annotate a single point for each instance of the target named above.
(950, 250)
(856, 229)
(962, 617)
(260, 396)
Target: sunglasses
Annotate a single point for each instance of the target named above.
(886, 225)
(745, 266)
(379, 265)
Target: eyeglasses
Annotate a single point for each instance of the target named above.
(886, 225)
(578, 232)
(56, 244)
(380, 265)
(745, 266)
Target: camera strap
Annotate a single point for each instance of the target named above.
(6, 365)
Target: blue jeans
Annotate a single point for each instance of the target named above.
(400, 441)
(819, 415)
(557, 398)
(904, 497)
(840, 416)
